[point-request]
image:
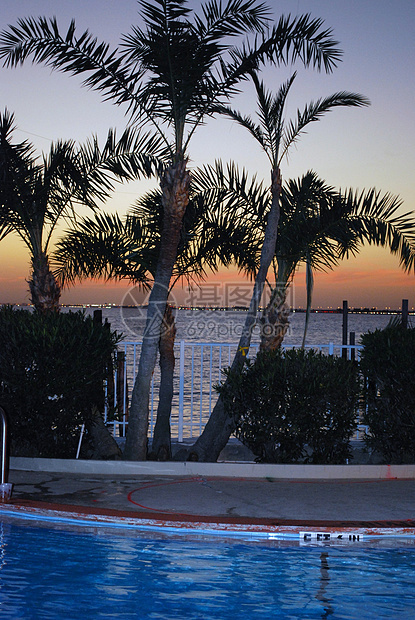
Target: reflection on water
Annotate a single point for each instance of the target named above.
(63, 573)
(324, 579)
(226, 326)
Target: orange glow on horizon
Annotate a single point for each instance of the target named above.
(373, 278)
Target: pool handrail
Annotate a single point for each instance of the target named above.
(4, 446)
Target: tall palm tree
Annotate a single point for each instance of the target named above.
(172, 74)
(275, 137)
(213, 234)
(36, 193)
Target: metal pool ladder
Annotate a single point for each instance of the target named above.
(5, 487)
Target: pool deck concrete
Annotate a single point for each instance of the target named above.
(272, 503)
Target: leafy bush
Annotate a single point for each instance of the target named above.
(52, 368)
(388, 363)
(294, 405)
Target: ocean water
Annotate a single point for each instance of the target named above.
(225, 326)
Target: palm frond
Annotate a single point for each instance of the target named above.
(376, 219)
(271, 113)
(236, 187)
(42, 40)
(246, 122)
(300, 38)
(234, 18)
(313, 111)
(36, 193)
(175, 71)
(133, 156)
(320, 226)
(103, 248)
(214, 232)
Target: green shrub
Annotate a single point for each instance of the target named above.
(294, 405)
(52, 368)
(388, 363)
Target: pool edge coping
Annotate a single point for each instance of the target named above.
(307, 531)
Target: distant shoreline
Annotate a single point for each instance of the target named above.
(384, 311)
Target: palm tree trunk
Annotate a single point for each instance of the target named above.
(309, 286)
(44, 289)
(275, 319)
(104, 445)
(221, 425)
(161, 446)
(175, 196)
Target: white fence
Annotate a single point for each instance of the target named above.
(198, 368)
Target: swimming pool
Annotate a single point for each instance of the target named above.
(62, 572)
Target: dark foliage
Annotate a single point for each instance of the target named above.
(52, 369)
(294, 405)
(388, 363)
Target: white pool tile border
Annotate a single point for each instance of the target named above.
(304, 535)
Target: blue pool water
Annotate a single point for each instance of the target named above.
(58, 573)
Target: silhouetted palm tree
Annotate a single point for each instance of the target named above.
(275, 136)
(213, 234)
(36, 193)
(172, 75)
(320, 226)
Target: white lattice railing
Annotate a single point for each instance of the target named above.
(198, 368)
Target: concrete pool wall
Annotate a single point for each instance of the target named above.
(221, 469)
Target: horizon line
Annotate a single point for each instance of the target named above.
(299, 309)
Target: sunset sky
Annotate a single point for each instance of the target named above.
(358, 148)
